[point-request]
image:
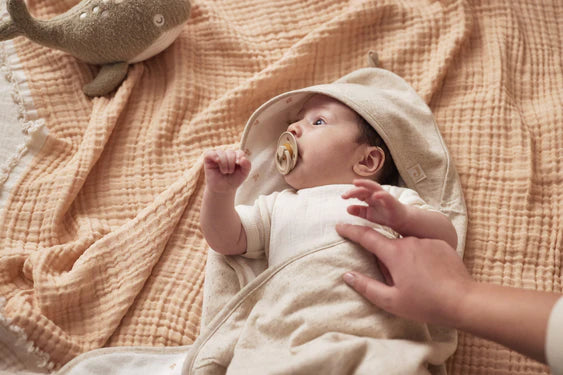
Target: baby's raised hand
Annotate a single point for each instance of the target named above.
(382, 208)
(225, 170)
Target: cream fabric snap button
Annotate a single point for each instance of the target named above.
(286, 153)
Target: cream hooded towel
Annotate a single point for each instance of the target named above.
(299, 317)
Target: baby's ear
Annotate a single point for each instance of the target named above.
(371, 162)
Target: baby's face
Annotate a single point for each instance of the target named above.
(326, 132)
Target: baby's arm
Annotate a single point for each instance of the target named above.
(386, 210)
(225, 171)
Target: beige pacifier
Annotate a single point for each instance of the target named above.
(286, 153)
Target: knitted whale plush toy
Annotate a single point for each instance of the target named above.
(110, 33)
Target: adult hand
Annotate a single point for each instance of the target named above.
(427, 279)
(429, 283)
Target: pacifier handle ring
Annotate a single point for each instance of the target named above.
(286, 153)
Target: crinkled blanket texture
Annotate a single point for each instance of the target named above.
(100, 244)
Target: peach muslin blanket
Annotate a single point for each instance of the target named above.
(99, 240)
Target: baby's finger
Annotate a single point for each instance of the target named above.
(368, 184)
(380, 199)
(210, 159)
(377, 198)
(357, 210)
(223, 164)
(358, 193)
(243, 162)
(231, 160)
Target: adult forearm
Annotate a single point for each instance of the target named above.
(516, 318)
(221, 224)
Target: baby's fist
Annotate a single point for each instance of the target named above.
(225, 170)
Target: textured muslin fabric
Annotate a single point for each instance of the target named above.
(490, 71)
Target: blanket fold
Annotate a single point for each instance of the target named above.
(83, 272)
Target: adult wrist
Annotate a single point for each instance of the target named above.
(461, 311)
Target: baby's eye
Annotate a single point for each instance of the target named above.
(319, 121)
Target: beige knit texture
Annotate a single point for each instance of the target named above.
(100, 242)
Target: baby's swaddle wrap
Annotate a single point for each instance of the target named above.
(256, 317)
(285, 224)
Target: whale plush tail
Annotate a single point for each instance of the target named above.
(21, 21)
(8, 30)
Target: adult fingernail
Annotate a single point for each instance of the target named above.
(349, 278)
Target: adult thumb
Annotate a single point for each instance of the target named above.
(373, 290)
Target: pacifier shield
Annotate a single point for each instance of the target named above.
(286, 153)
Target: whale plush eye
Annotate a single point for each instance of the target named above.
(158, 20)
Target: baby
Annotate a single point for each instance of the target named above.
(281, 304)
(341, 156)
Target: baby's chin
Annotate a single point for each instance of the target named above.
(290, 181)
(297, 182)
(293, 180)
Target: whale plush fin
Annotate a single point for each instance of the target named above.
(8, 30)
(108, 78)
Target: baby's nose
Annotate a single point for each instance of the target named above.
(295, 129)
